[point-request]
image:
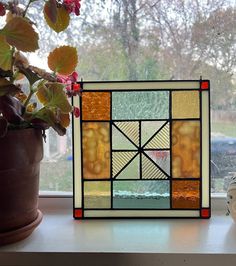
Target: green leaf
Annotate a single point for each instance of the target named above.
(6, 87)
(20, 33)
(50, 9)
(62, 19)
(5, 55)
(63, 60)
(48, 115)
(53, 95)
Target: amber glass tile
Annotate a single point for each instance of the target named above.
(96, 150)
(186, 149)
(97, 194)
(96, 106)
(186, 194)
(185, 104)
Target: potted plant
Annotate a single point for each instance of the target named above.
(25, 114)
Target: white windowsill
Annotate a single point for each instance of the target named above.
(60, 240)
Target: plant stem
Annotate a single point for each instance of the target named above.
(26, 9)
(29, 97)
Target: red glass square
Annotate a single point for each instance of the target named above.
(78, 213)
(205, 213)
(76, 87)
(205, 85)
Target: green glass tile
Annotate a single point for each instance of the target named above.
(141, 194)
(140, 105)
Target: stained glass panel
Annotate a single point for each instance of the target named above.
(144, 150)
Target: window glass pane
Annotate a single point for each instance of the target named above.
(144, 40)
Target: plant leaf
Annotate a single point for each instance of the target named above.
(63, 60)
(58, 97)
(6, 87)
(5, 55)
(64, 120)
(53, 95)
(50, 9)
(62, 19)
(42, 93)
(47, 115)
(20, 33)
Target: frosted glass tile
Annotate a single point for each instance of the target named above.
(141, 194)
(161, 158)
(150, 170)
(140, 105)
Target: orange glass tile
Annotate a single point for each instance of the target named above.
(186, 194)
(185, 149)
(96, 105)
(96, 150)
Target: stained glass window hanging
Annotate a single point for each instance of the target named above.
(141, 149)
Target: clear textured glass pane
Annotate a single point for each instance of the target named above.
(97, 194)
(140, 105)
(161, 158)
(131, 171)
(141, 194)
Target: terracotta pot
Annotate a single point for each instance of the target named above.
(20, 154)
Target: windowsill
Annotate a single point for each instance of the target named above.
(59, 233)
